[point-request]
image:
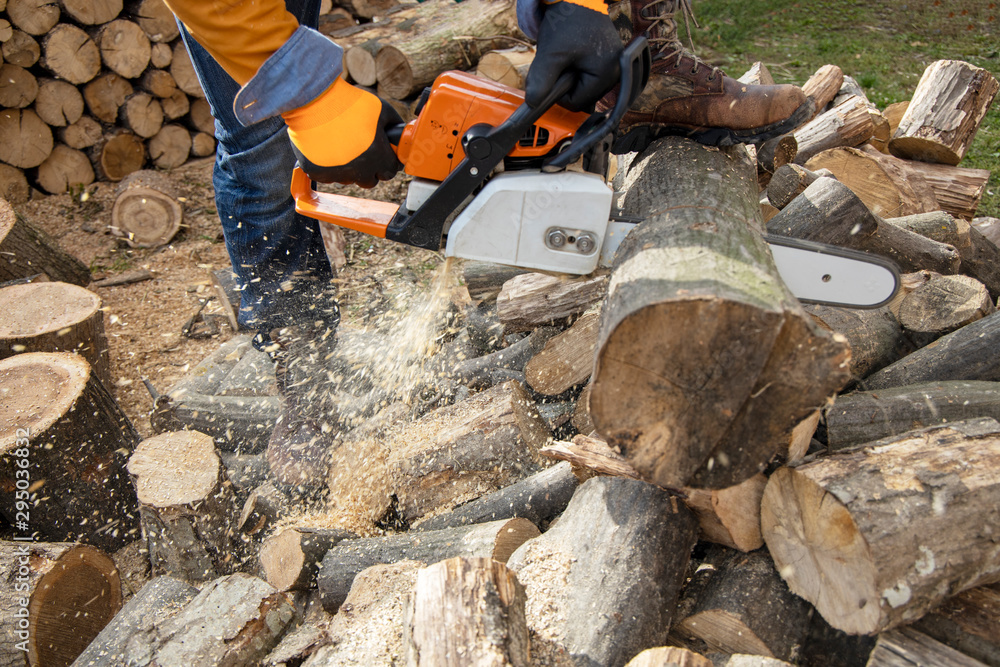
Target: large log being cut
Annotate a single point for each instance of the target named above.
(705, 361)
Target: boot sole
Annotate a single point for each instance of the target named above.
(639, 137)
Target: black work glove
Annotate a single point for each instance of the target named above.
(576, 39)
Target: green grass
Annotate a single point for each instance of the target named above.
(884, 46)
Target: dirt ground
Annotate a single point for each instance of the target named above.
(144, 320)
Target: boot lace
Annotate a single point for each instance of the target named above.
(662, 33)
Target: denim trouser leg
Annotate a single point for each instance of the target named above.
(277, 254)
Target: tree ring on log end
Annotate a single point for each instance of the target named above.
(152, 217)
(84, 586)
(192, 476)
(820, 552)
(36, 390)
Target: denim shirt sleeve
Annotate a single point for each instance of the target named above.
(529, 16)
(306, 65)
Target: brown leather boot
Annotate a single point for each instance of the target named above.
(686, 96)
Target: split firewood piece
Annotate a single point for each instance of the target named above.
(539, 499)
(118, 154)
(264, 507)
(833, 528)
(70, 54)
(170, 147)
(507, 66)
(18, 86)
(968, 622)
(105, 95)
(92, 12)
(883, 183)
(944, 304)
(823, 86)
(13, 185)
(847, 124)
(757, 75)
(880, 137)
(255, 616)
(467, 611)
(865, 416)
(497, 540)
(948, 105)
(800, 441)
(669, 656)
(894, 113)
(188, 508)
(567, 359)
(611, 562)
(455, 40)
(25, 140)
(58, 103)
(156, 20)
(730, 517)
(679, 288)
(908, 647)
(26, 250)
(874, 335)
(290, 558)
(966, 354)
(829, 212)
(142, 114)
(146, 212)
(183, 71)
(65, 170)
(530, 300)
(155, 602)
(788, 182)
(55, 317)
(471, 448)
(76, 438)
(56, 599)
(35, 17)
(738, 603)
(371, 621)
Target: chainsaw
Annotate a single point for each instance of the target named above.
(497, 180)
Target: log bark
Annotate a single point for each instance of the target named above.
(25, 140)
(56, 599)
(84, 133)
(507, 66)
(146, 212)
(968, 622)
(847, 124)
(772, 155)
(13, 187)
(484, 280)
(142, 114)
(58, 103)
(155, 602)
(91, 12)
(966, 354)
(65, 170)
(467, 611)
(188, 508)
(948, 105)
(539, 498)
(156, 20)
(829, 212)
(55, 317)
(497, 540)
(885, 185)
(908, 647)
(874, 336)
(471, 448)
(566, 360)
(788, 182)
(602, 563)
(290, 558)
(255, 616)
(21, 49)
(531, 300)
(26, 250)
(833, 526)
(18, 86)
(264, 507)
(738, 603)
(170, 147)
(117, 154)
(823, 86)
(105, 95)
(70, 54)
(944, 304)
(35, 17)
(457, 38)
(76, 438)
(689, 403)
(124, 48)
(183, 71)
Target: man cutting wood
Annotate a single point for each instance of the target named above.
(266, 72)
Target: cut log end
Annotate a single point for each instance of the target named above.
(145, 217)
(192, 476)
